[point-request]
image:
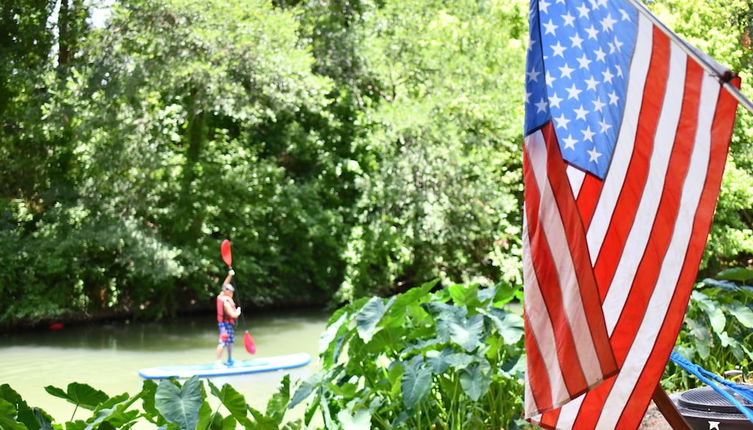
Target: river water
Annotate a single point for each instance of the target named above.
(108, 356)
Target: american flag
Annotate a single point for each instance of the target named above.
(626, 140)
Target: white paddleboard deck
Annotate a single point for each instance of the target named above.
(261, 364)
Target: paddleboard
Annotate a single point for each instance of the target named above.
(262, 364)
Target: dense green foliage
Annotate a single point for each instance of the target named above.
(347, 147)
(716, 332)
(452, 359)
(167, 405)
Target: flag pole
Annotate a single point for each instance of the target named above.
(721, 73)
(667, 408)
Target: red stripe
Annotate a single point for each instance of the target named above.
(635, 180)
(720, 136)
(549, 419)
(588, 196)
(651, 264)
(548, 281)
(538, 378)
(576, 241)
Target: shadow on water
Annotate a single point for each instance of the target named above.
(196, 331)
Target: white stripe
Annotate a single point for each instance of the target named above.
(542, 328)
(576, 177)
(569, 413)
(645, 216)
(554, 230)
(671, 266)
(610, 192)
(530, 401)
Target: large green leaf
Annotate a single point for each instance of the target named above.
(81, 395)
(8, 416)
(740, 274)
(475, 379)
(278, 404)
(369, 316)
(743, 314)
(32, 418)
(467, 332)
(232, 400)
(510, 326)
(179, 405)
(360, 420)
(415, 383)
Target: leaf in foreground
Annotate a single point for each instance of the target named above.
(179, 405)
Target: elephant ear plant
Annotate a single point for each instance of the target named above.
(167, 405)
(449, 359)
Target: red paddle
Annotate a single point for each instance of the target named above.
(227, 257)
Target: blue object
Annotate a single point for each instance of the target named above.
(706, 377)
(265, 364)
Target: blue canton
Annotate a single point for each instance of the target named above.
(576, 75)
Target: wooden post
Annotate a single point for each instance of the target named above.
(667, 408)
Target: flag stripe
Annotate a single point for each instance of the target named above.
(543, 273)
(539, 391)
(671, 270)
(575, 239)
(644, 277)
(721, 132)
(626, 205)
(638, 239)
(607, 197)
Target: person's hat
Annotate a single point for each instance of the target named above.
(228, 287)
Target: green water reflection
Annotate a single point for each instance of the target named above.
(108, 356)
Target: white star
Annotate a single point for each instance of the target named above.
(592, 32)
(619, 70)
(558, 49)
(572, 92)
(607, 75)
(543, 6)
(566, 71)
(570, 142)
(562, 121)
(554, 101)
(533, 75)
(560, 1)
(600, 55)
(531, 42)
(594, 155)
(598, 105)
(583, 11)
(541, 106)
(591, 83)
(714, 425)
(580, 113)
(618, 44)
(527, 97)
(604, 126)
(569, 19)
(607, 24)
(577, 41)
(588, 134)
(613, 99)
(584, 61)
(611, 47)
(550, 79)
(550, 27)
(625, 16)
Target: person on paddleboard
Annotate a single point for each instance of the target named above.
(227, 312)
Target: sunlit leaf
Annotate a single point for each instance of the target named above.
(180, 404)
